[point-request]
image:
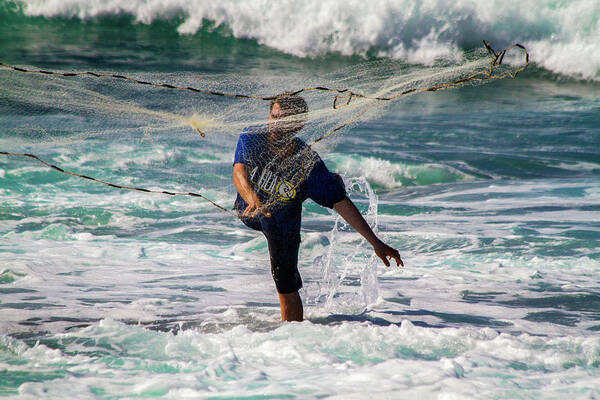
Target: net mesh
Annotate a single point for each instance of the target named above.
(181, 130)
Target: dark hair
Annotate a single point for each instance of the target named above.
(290, 102)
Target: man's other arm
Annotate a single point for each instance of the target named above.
(244, 188)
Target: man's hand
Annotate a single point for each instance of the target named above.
(255, 207)
(386, 252)
(350, 213)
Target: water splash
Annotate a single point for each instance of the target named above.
(348, 282)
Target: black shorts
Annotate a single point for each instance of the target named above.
(283, 250)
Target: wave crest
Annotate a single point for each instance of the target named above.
(563, 36)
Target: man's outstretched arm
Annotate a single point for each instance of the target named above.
(352, 216)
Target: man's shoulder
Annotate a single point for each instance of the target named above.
(302, 146)
(250, 144)
(307, 152)
(251, 135)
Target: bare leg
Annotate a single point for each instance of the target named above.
(291, 307)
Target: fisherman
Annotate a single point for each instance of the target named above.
(268, 175)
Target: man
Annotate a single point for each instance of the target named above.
(274, 172)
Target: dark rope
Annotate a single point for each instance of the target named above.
(496, 60)
(186, 88)
(114, 185)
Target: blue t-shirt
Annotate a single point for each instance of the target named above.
(284, 181)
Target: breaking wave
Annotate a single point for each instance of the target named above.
(562, 36)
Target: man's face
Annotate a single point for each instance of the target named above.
(282, 124)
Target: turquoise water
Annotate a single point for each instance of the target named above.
(491, 193)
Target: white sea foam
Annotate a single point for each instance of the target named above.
(562, 37)
(330, 361)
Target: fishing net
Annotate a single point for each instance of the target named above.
(178, 132)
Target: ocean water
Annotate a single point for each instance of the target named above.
(490, 192)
